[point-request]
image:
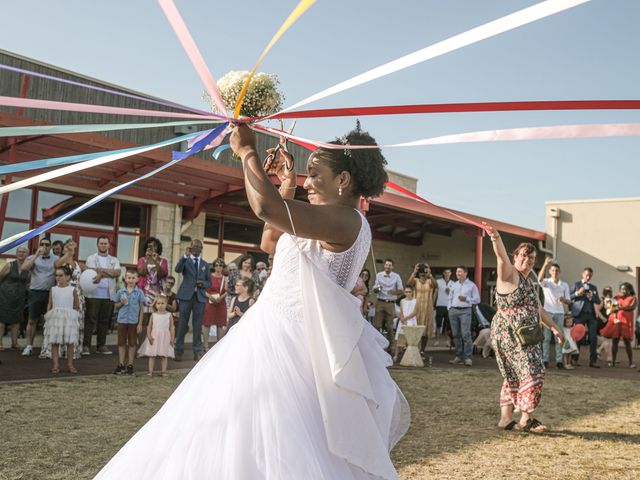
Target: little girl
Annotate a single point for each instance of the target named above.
(570, 346)
(61, 320)
(407, 317)
(160, 336)
(242, 301)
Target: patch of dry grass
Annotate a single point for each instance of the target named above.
(69, 428)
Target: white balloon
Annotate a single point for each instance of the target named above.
(86, 281)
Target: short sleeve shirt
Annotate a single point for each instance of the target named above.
(129, 313)
(43, 273)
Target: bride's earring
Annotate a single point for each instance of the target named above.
(340, 191)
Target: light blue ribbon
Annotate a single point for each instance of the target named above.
(26, 236)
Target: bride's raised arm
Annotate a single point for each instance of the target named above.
(330, 219)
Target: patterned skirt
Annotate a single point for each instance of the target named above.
(521, 366)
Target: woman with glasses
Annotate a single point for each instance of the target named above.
(215, 310)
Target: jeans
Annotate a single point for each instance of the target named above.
(589, 320)
(99, 311)
(460, 319)
(558, 318)
(186, 307)
(442, 318)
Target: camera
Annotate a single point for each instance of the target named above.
(422, 268)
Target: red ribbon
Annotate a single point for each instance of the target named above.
(483, 226)
(461, 107)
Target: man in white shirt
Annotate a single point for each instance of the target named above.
(463, 295)
(442, 303)
(99, 304)
(556, 296)
(388, 286)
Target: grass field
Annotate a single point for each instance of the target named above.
(64, 429)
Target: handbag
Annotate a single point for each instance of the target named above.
(530, 334)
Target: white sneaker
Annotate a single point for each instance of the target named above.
(85, 351)
(28, 351)
(456, 361)
(468, 362)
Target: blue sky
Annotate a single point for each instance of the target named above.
(587, 52)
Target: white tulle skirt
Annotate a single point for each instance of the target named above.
(61, 327)
(251, 410)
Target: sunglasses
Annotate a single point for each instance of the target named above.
(45, 244)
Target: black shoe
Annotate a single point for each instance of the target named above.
(546, 364)
(129, 369)
(119, 369)
(594, 365)
(559, 365)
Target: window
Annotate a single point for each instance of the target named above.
(13, 228)
(19, 204)
(125, 230)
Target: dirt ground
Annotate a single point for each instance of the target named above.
(69, 427)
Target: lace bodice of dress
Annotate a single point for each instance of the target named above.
(343, 267)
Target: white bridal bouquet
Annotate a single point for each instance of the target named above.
(262, 96)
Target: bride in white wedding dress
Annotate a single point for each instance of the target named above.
(299, 388)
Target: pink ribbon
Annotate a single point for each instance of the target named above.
(503, 135)
(83, 107)
(192, 51)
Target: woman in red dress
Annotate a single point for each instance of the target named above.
(621, 321)
(215, 310)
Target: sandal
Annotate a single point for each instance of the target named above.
(533, 425)
(55, 370)
(509, 426)
(72, 369)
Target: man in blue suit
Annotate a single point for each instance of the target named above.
(196, 279)
(584, 296)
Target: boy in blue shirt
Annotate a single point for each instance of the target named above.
(128, 301)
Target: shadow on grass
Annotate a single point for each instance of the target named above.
(455, 412)
(597, 436)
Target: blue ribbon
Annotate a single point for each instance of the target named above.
(56, 221)
(200, 144)
(55, 162)
(216, 153)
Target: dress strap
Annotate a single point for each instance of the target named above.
(290, 219)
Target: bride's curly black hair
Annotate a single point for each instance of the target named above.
(366, 166)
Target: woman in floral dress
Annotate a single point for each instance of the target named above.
(520, 365)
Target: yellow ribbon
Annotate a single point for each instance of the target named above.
(302, 7)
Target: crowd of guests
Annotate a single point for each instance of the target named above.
(451, 309)
(49, 290)
(152, 320)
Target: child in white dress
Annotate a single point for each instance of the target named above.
(61, 320)
(407, 317)
(160, 336)
(570, 346)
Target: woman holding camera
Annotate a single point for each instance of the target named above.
(426, 289)
(519, 358)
